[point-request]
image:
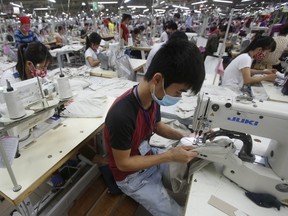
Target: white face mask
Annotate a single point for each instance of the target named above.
(167, 100)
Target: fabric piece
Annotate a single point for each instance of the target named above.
(90, 107)
(224, 206)
(264, 200)
(220, 68)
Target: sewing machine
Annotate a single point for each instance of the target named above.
(236, 117)
(35, 98)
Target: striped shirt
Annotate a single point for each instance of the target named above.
(21, 39)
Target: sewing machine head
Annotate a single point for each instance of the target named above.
(261, 118)
(30, 94)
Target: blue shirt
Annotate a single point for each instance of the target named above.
(20, 38)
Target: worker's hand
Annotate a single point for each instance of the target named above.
(270, 77)
(269, 71)
(182, 154)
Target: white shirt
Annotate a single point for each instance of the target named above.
(233, 77)
(164, 37)
(90, 53)
(152, 53)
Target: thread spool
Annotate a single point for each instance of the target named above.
(14, 104)
(64, 88)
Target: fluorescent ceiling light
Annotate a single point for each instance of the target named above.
(108, 2)
(201, 2)
(53, 1)
(126, 1)
(162, 2)
(223, 1)
(43, 9)
(160, 10)
(16, 5)
(136, 6)
(245, 0)
(145, 10)
(177, 6)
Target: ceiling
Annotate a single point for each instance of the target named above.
(74, 7)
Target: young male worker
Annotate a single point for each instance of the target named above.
(135, 116)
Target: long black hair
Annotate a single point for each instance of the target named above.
(35, 52)
(264, 42)
(93, 38)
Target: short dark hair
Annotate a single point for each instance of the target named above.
(178, 35)
(136, 31)
(177, 15)
(126, 16)
(179, 61)
(35, 52)
(94, 38)
(171, 25)
(264, 42)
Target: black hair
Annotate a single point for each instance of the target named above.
(136, 31)
(178, 35)
(264, 42)
(59, 28)
(93, 38)
(171, 25)
(86, 24)
(179, 61)
(35, 52)
(223, 28)
(141, 28)
(126, 16)
(177, 15)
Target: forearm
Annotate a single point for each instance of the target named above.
(166, 131)
(254, 71)
(139, 162)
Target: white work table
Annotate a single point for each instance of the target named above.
(136, 65)
(274, 92)
(209, 181)
(48, 153)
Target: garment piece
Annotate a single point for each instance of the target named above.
(147, 189)
(232, 77)
(86, 107)
(90, 53)
(126, 126)
(22, 39)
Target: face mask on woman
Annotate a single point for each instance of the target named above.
(26, 28)
(38, 72)
(259, 56)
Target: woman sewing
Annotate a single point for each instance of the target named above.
(33, 60)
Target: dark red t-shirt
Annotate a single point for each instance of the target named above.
(126, 126)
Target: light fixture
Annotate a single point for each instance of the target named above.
(53, 1)
(162, 2)
(83, 4)
(15, 5)
(223, 1)
(144, 11)
(108, 2)
(126, 1)
(136, 6)
(245, 0)
(201, 2)
(181, 7)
